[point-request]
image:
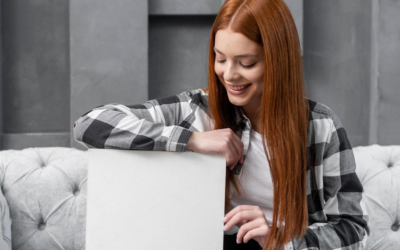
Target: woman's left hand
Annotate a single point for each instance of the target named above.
(252, 223)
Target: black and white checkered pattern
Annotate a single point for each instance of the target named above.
(337, 216)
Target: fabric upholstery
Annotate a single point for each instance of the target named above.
(378, 168)
(46, 192)
(5, 223)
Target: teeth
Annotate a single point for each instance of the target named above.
(238, 87)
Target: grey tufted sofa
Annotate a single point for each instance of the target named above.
(46, 192)
(378, 168)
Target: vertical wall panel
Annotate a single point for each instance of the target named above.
(374, 96)
(35, 80)
(108, 53)
(337, 59)
(389, 73)
(1, 72)
(178, 53)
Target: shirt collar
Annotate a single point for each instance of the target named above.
(244, 128)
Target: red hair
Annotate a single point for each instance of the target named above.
(283, 112)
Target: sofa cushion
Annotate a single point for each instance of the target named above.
(5, 222)
(46, 191)
(378, 168)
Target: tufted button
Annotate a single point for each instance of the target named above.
(77, 192)
(42, 226)
(390, 165)
(42, 163)
(395, 227)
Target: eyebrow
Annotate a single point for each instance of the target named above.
(245, 55)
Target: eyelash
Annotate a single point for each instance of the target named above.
(244, 66)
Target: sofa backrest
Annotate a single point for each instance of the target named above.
(378, 168)
(46, 191)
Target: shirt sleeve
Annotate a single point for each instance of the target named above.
(341, 222)
(157, 124)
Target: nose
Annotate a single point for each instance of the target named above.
(230, 73)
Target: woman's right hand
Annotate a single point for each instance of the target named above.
(223, 141)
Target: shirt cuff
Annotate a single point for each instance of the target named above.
(178, 139)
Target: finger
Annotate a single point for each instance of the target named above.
(251, 234)
(235, 136)
(238, 154)
(225, 149)
(242, 215)
(245, 228)
(232, 166)
(241, 223)
(231, 156)
(239, 146)
(235, 140)
(236, 209)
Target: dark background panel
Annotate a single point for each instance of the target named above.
(178, 53)
(389, 73)
(337, 61)
(35, 66)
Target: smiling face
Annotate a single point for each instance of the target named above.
(239, 65)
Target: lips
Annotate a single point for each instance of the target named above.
(237, 89)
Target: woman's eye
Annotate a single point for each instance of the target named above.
(247, 66)
(242, 65)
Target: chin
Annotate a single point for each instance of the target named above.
(236, 101)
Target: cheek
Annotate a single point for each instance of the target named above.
(218, 71)
(258, 77)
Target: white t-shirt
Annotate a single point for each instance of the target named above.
(255, 180)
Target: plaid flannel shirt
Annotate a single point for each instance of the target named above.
(337, 216)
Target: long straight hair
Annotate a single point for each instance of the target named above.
(283, 109)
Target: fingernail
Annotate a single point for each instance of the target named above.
(225, 227)
(237, 241)
(224, 219)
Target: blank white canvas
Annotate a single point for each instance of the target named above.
(155, 200)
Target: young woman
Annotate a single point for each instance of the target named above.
(291, 181)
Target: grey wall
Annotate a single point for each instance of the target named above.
(35, 72)
(388, 91)
(173, 68)
(61, 59)
(351, 58)
(337, 58)
(1, 73)
(178, 43)
(184, 7)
